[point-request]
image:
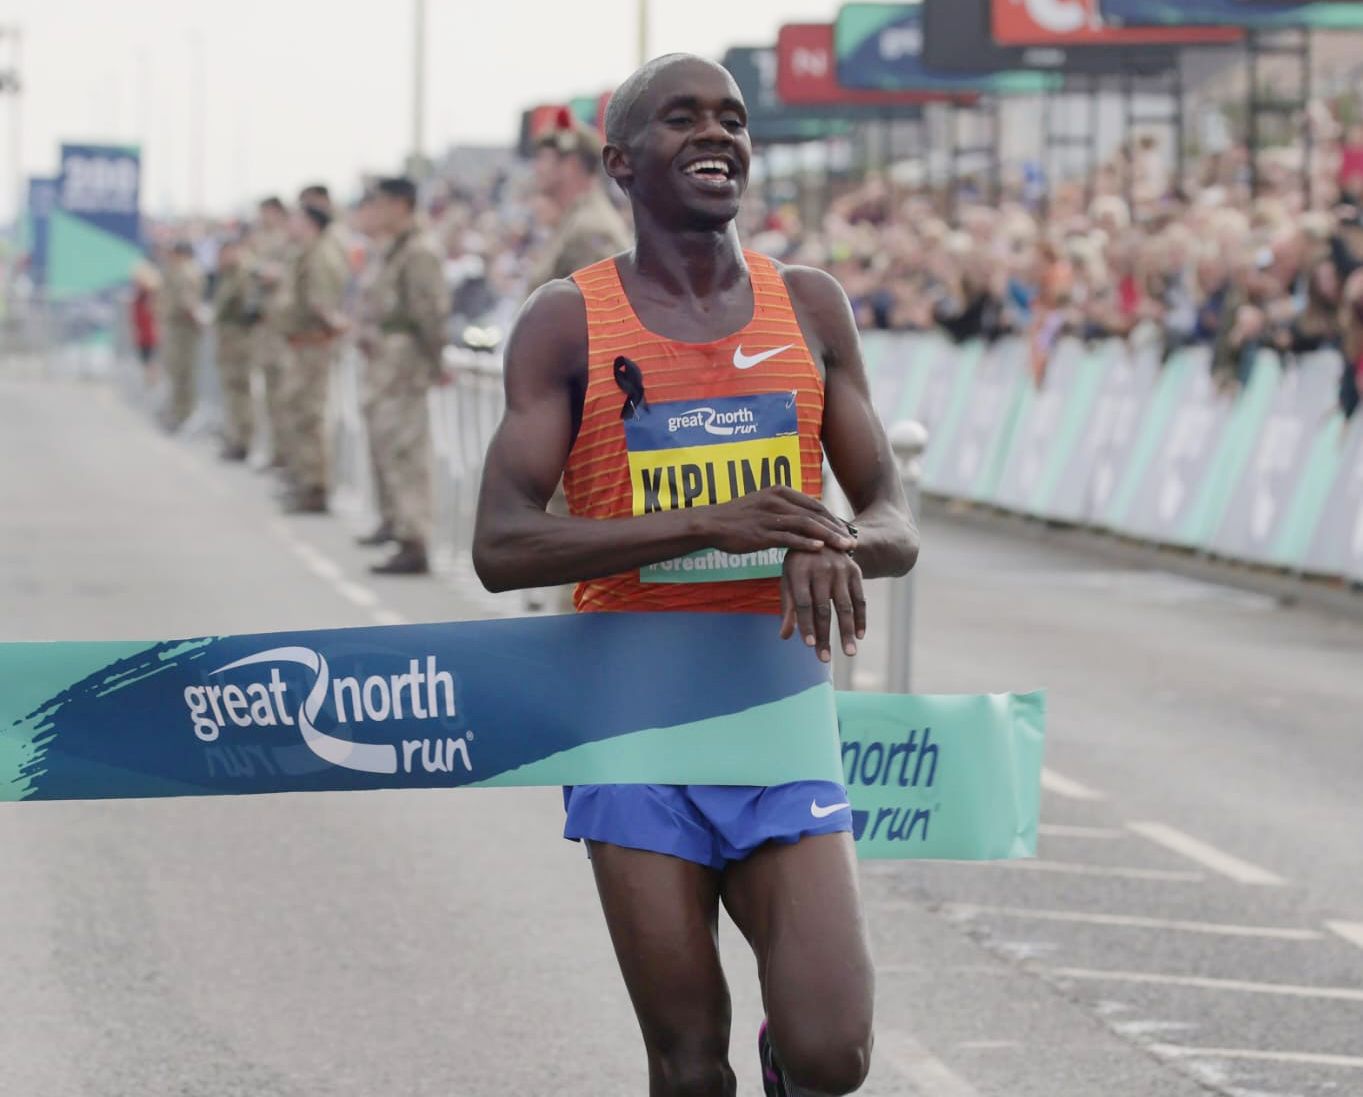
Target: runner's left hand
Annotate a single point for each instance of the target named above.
(814, 587)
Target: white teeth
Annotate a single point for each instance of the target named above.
(708, 165)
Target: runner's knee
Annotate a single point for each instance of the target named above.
(696, 1072)
(832, 1060)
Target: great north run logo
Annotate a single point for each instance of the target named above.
(422, 692)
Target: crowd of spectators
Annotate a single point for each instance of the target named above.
(1113, 257)
(1126, 253)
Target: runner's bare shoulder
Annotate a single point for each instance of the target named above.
(548, 341)
(823, 310)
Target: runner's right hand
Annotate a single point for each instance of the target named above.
(777, 517)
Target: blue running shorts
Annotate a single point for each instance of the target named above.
(709, 824)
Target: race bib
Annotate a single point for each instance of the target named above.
(706, 452)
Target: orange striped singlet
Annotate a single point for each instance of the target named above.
(721, 419)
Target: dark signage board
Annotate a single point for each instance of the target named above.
(1249, 14)
(880, 46)
(1081, 23)
(958, 37)
(807, 75)
(771, 121)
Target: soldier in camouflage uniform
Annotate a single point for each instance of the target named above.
(369, 341)
(272, 259)
(413, 306)
(568, 172)
(235, 313)
(314, 326)
(182, 300)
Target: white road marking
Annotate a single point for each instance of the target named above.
(360, 596)
(1350, 931)
(331, 572)
(322, 566)
(1109, 871)
(1056, 830)
(1278, 933)
(989, 1045)
(1306, 1058)
(1142, 1029)
(1068, 787)
(1242, 872)
(916, 1063)
(1285, 990)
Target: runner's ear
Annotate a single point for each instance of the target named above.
(616, 162)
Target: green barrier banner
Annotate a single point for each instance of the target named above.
(712, 699)
(1263, 500)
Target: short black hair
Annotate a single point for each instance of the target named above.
(315, 194)
(399, 187)
(628, 94)
(272, 203)
(319, 217)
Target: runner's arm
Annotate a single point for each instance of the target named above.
(819, 585)
(518, 544)
(853, 437)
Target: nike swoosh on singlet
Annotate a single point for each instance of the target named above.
(745, 361)
(824, 812)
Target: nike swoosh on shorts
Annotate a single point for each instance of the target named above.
(820, 812)
(747, 361)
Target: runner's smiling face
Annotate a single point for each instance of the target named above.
(689, 152)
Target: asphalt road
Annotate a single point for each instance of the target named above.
(1195, 922)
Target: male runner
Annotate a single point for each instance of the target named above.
(684, 343)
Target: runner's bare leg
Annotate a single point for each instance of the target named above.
(663, 914)
(800, 908)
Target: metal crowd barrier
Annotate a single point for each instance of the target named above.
(463, 416)
(1157, 451)
(1107, 437)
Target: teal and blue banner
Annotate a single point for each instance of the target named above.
(597, 698)
(94, 238)
(42, 198)
(880, 47)
(1251, 14)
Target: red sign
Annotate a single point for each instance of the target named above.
(807, 74)
(1079, 23)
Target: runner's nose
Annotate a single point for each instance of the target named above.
(712, 130)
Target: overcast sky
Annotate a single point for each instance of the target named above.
(301, 89)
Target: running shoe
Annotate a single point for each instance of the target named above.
(773, 1078)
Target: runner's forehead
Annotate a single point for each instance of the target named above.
(693, 82)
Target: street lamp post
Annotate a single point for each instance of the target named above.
(12, 84)
(418, 154)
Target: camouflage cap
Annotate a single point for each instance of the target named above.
(569, 137)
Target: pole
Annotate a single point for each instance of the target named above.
(1129, 133)
(1252, 41)
(642, 55)
(1180, 124)
(996, 153)
(1307, 120)
(953, 135)
(196, 124)
(1095, 95)
(418, 85)
(17, 129)
(908, 439)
